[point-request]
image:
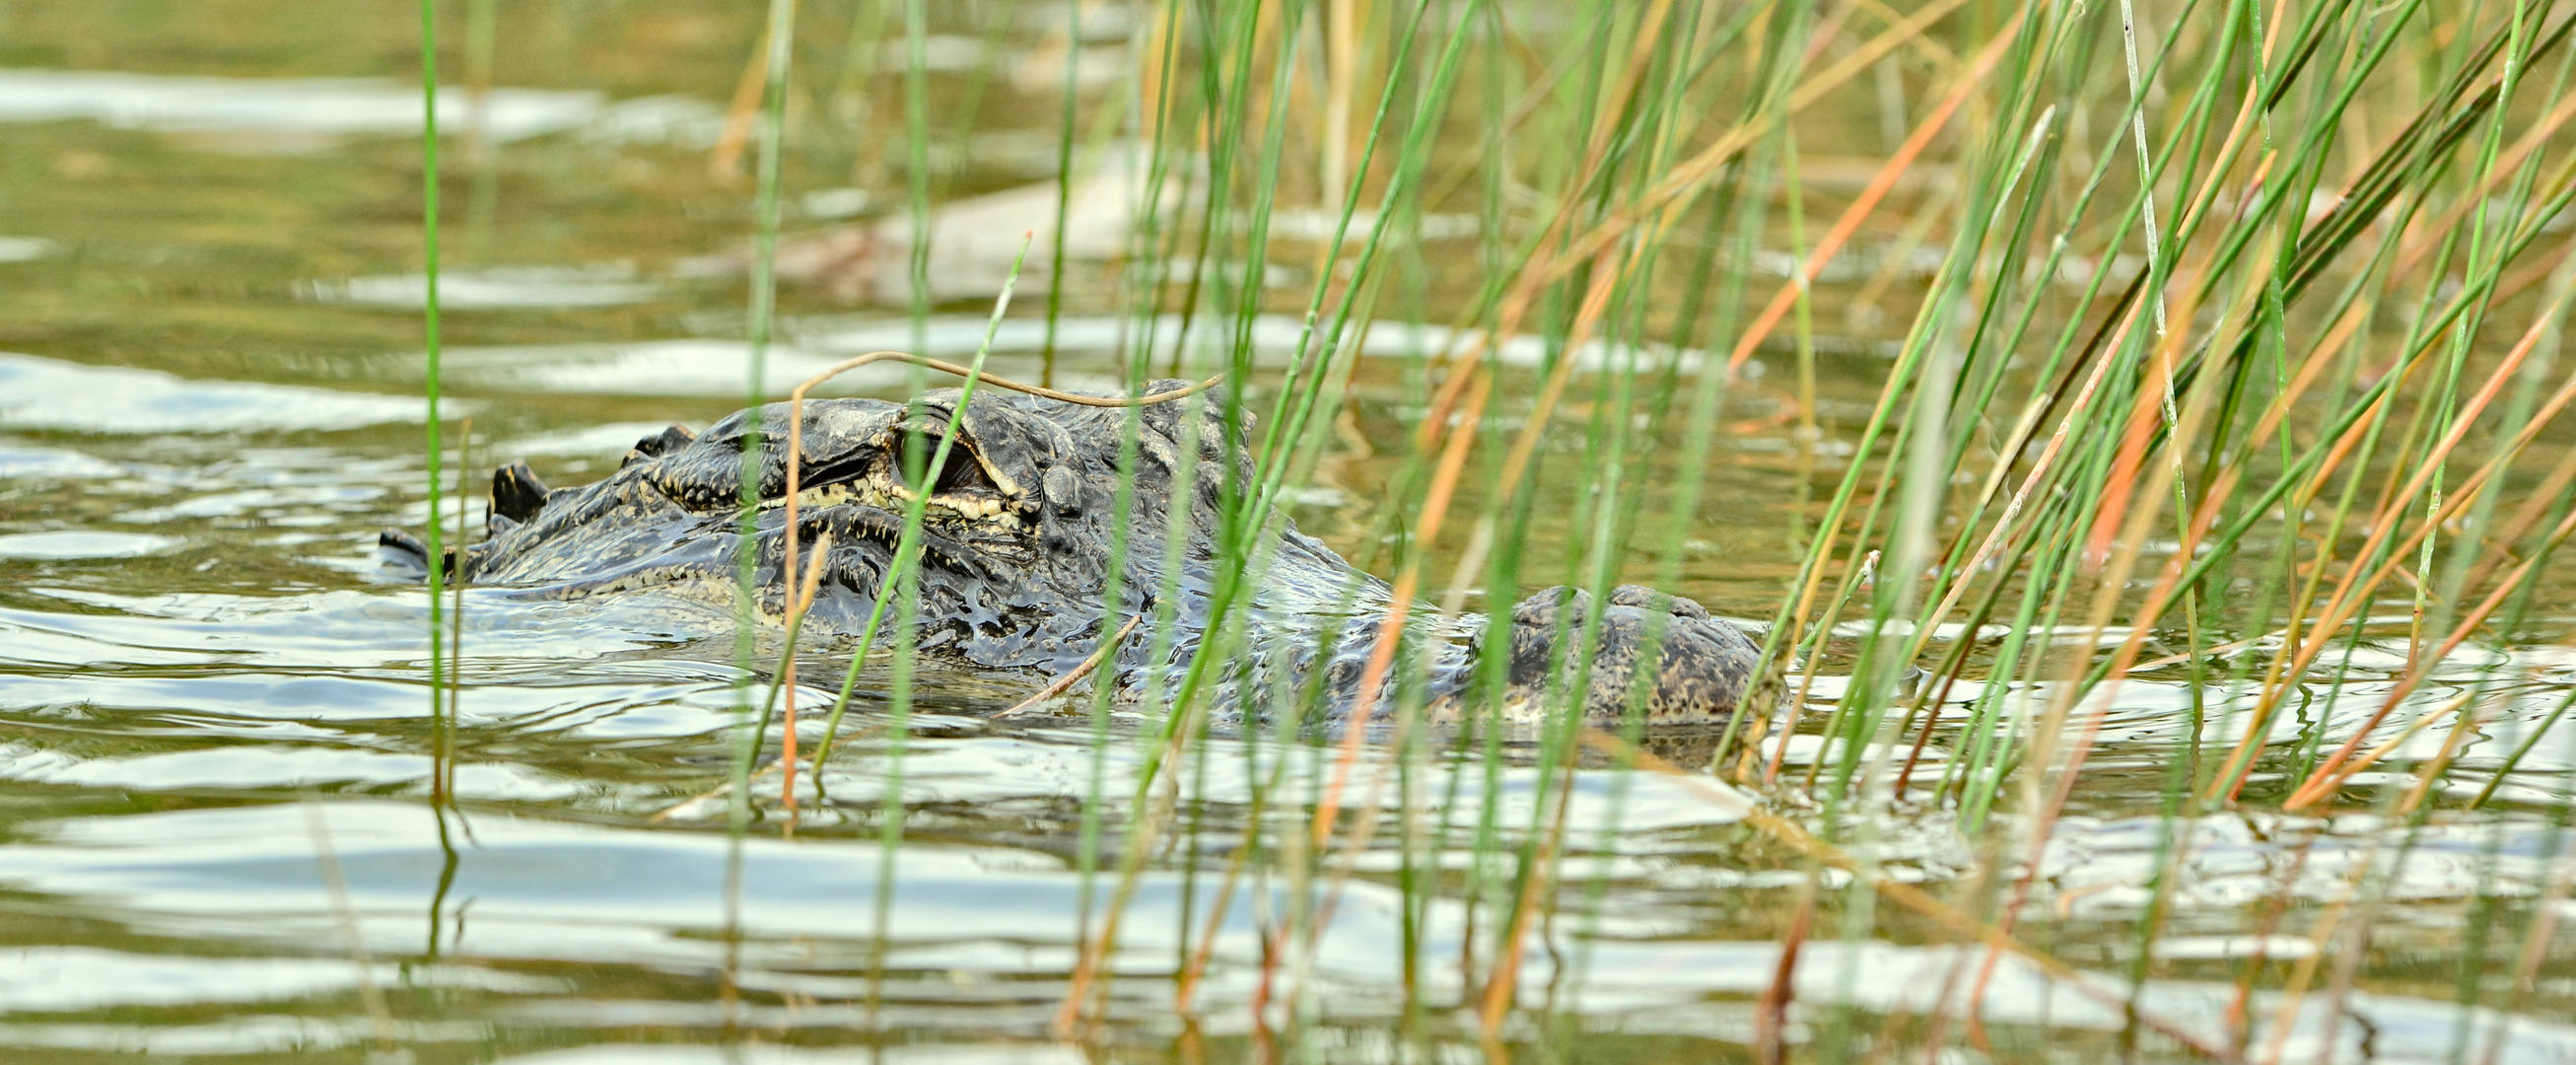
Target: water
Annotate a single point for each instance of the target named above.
(212, 694)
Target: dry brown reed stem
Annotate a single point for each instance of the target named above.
(2276, 908)
(2535, 948)
(1608, 272)
(1469, 372)
(2225, 784)
(1854, 579)
(1153, 91)
(726, 163)
(1771, 1011)
(1843, 227)
(2119, 492)
(673, 810)
(2385, 748)
(2294, 991)
(797, 604)
(2144, 415)
(1055, 49)
(1140, 844)
(2353, 591)
(1958, 922)
(2505, 165)
(1435, 508)
(1609, 269)
(1605, 116)
(2114, 568)
(1536, 272)
(2276, 412)
(1107, 648)
(2457, 498)
(2161, 593)
(1185, 985)
(1341, 73)
(1538, 881)
(2542, 267)
(2230, 777)
(2044, 803)
(1670, 196)
(2292, 996)
(2330, 774)
(2106, 356)
(1543, 82)
(1863, 207)
(1929, 211)
(345, 916)
(1453, 456)
(1363, 830)
(1673, 194)
(2529, 514)
(1542, 87)
(2108, 350)
(668, 812)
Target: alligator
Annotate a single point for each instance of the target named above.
(1021, 536)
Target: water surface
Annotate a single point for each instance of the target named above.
(213, 695)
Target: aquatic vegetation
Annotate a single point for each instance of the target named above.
(2134, 434)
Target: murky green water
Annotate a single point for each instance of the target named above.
(208, 683)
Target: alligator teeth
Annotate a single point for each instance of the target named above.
(833, 495)
(895, 498)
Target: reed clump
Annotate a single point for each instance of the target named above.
(2217, 348)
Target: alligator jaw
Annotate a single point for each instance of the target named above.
(991, 513)
(967, 489)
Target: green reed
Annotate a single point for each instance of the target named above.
(780, 41)
(433, 454)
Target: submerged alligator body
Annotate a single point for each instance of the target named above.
(1022, 534)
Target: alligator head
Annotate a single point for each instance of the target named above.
(1025, 525)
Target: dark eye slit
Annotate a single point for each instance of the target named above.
(831, 473)
(962, 474)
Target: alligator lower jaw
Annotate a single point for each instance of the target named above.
(989, 512)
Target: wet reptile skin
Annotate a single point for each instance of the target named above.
(1020, 539)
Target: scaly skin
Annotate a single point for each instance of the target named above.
(1017, 551)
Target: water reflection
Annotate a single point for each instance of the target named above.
(47, 394)
(310, 106)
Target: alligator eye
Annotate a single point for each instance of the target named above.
(962, 474)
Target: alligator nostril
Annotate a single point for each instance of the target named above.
(517, 494)
(668, 440)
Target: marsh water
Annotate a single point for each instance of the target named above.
(216, 834)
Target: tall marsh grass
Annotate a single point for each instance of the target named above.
(2239, 370)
